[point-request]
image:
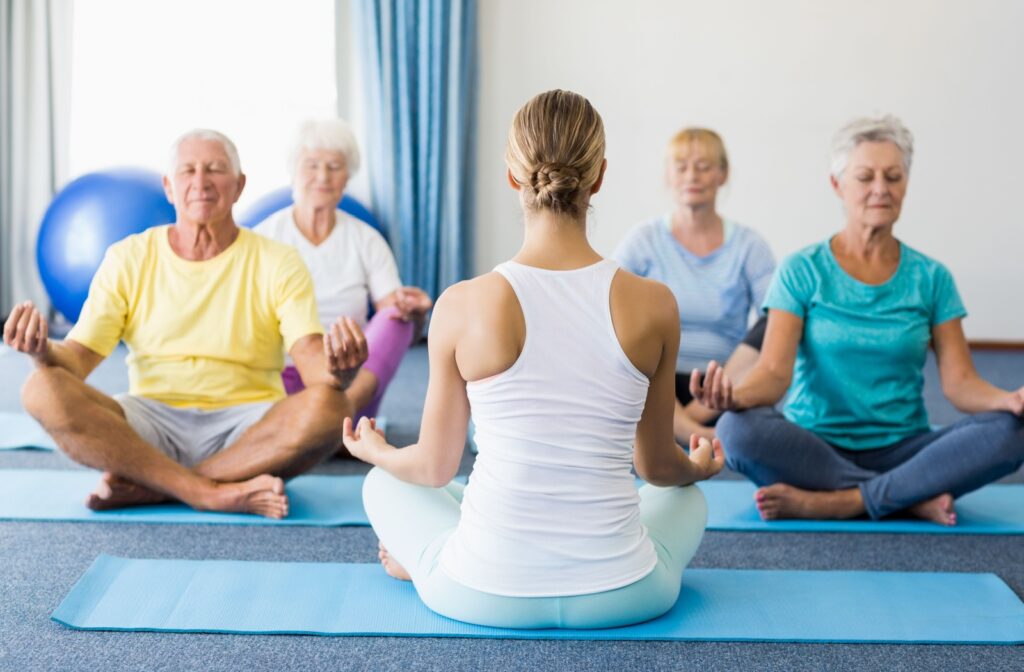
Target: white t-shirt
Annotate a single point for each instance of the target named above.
(353, 266)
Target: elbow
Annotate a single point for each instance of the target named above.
(440, 475)
(781, 382)
(656, 474)
(953, 389)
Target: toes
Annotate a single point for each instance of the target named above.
(267, 503)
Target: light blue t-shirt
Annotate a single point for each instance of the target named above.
(858, 378)
(715, 293)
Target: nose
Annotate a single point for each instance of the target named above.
(200, 177)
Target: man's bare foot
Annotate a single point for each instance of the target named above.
(391, 565)
(938, 509)
(263, 495)
(780, 500)
(115, 492)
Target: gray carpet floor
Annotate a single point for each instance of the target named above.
(39, 562)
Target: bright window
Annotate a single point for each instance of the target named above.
(145, 72)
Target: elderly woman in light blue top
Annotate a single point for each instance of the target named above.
(850, 321)
(717, 269)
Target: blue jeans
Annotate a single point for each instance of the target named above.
(766, 448)
(414, 522)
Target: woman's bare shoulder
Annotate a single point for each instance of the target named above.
(644, 297)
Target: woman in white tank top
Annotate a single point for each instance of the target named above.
(568, 365)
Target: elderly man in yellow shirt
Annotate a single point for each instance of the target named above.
(207, 310)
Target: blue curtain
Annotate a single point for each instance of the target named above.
(418, 59)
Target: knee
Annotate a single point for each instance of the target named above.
(41, 394)
(376, 480)
(322, 413)
(740, 435)
(1008, 430)
(378, 489)
(695, 503)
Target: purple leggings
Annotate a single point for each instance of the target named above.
(387, 340)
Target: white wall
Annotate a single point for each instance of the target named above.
(252, 69)
(776, 78)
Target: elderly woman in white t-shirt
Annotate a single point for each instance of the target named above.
(351, 263)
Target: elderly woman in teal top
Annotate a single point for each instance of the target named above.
(849, 324)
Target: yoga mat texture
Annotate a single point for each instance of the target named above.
(41, 494)
(57, 495)
(19, 430)
(221, 596)
(994, 509)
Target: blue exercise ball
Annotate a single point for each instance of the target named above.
(279, 199)
(89, 215)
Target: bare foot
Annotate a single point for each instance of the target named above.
(263, 495)
(780, 500)
(115, 492)
(938, 509)
(391, 565)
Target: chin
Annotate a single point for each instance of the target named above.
(880, 223)
(323, 202)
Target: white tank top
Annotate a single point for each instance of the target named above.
(551, 508)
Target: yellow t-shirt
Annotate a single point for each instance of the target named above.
(200, 334)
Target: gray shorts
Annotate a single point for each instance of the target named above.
(189, 435)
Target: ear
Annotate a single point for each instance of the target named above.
(241, 186)
(835, 185)
(168, 189)
(600, 177)
(512, 181)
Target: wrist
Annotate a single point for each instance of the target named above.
(41, 359)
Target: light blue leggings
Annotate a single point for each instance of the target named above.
(413, 522)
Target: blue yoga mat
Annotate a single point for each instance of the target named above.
(994, 509)
(715, 605)
(40, 494)
(19, 430)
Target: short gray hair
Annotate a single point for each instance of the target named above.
(868, 129)
(334, 135)
(205, 134)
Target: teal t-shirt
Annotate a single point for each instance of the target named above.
(858, 377)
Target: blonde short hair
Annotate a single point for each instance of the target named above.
(555, 151)
(702, 136)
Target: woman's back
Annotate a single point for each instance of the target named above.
(552, 485)
(567, 363)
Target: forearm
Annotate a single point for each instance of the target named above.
(666, 472)
(62, 355)
(762, 387)
(973, 394)
(416, 464)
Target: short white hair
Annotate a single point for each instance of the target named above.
(334, 135)
(869, 129)
(205, 134)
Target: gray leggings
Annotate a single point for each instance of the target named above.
(766, 448)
